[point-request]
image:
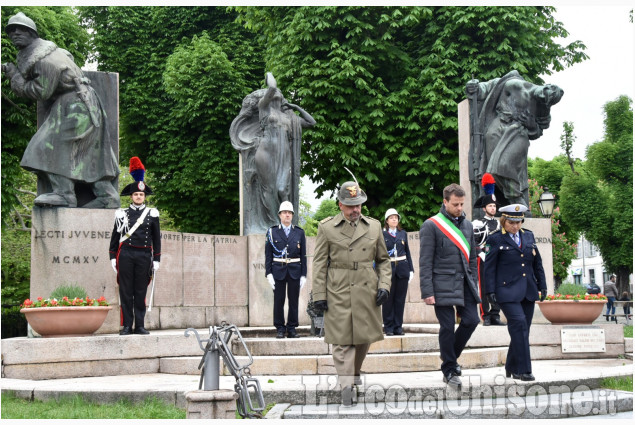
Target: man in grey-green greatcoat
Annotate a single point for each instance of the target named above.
(348, 287)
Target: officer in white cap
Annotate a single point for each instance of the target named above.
(285, 269)
(402, 272)
(515, 280)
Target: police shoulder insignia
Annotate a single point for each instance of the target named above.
(154, 212)
(119, 213)
(324, 220)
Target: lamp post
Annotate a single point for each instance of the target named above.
(546, 203)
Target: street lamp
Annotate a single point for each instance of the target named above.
(546, 203)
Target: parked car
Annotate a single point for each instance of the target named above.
(593, 288)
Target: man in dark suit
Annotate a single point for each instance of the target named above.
(285, 269)
(448, 278)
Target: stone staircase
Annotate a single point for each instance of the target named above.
(170, 352)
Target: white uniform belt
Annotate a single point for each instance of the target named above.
(286, 260)
(403, 257)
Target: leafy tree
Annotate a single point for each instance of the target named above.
(563, 244)
(566, 142)
(383, 84)
(598, 201)
(60, 25)
(183, 74)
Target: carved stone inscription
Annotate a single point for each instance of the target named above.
(231, 271)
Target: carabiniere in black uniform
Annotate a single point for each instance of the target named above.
(135, 250)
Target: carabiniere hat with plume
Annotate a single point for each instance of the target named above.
(137, 171)
(350, 193)
(489, 184)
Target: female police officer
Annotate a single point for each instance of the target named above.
(402, 271)
(513, 276)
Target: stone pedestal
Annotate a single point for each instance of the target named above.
(217, 404)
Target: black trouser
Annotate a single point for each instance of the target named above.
(135, 268)
(485, 309)
(291, 289)
(451, 342)
(392, 309)
(519, 316)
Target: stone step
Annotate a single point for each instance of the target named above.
(323, 364)
(536, 404)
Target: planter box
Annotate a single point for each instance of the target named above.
(66, 321)
(571, 312)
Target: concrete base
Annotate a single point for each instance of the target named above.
(217, 404)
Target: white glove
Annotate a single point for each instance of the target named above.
(271, 281)
(411, 276)
(155, 265)
(114, 264)
(302, 281)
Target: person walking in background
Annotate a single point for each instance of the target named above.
(513, 276)
(402, 272)
(285, 269)
(610, 290)
(626, 307)
(135, 250)
(447, 273)
(351, 279)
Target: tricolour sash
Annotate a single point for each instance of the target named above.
(450, 230)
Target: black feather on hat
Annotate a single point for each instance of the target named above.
(137, 171)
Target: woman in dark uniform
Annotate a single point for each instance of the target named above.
(402, 272)
(513, 276)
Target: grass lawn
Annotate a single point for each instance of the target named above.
(628, 331)
(77, 408)
(622, 384)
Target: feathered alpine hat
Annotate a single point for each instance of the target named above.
(137, 171)
(489, 185)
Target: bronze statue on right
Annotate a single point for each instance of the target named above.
(506, 113)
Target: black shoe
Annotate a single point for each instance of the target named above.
(125, 331)
(457, 370)
(349, 394)
(399, 332)
(452, 380)
(495, 321)
(521, 376)
(292, 334)
(280, 334)
(389, 333)
(486, 321)
(141, 331)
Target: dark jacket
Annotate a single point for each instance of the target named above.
(146, 237)
(443, 268)
(512, 272)
(399, 243)
(295, 245)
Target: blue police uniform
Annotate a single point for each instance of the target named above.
(401, 262)
(515, 274)
(285, 259)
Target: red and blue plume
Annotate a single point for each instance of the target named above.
(488, 183)
(137, 170)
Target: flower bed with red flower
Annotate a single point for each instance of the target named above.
(576, 297)
(65, 302)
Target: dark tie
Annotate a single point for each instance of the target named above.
(517, 239)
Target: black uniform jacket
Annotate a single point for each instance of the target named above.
(147, 236)
(402, 268)
(512, 272)
(295, 245)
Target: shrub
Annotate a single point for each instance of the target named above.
(70, 291)
(571, 289)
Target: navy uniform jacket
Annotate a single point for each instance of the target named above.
(401, 268)
(295, 244)
(512, 272)
(147, 236)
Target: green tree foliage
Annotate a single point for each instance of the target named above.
(60, 25)
(563, 242)
(599, 200)
(183, 74)
(383, 84)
